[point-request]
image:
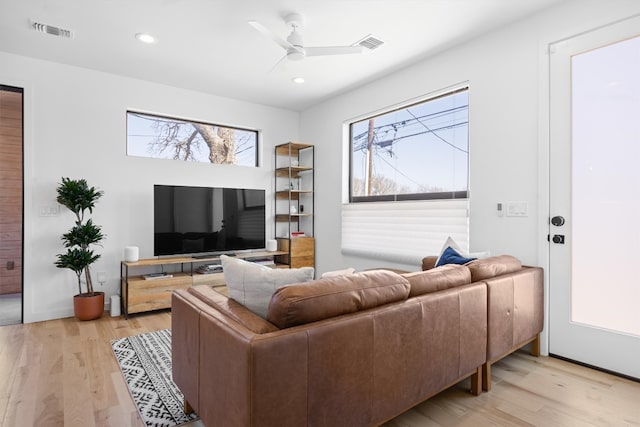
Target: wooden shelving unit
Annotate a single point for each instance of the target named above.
(294, 203)
(140, 295)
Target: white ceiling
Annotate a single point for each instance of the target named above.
(207, 45)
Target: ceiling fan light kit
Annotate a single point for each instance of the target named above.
(296, 53)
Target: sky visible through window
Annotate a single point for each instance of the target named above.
(168, 138)
(423, 148)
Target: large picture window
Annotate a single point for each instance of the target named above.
(171, 138)
(416, 152)
(412, 163)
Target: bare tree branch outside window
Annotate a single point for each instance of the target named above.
(177, 139)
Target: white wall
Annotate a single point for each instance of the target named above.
(506, 71)
(75, 126)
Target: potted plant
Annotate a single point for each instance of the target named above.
(78, 197)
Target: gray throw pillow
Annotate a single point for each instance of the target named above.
(252, 285)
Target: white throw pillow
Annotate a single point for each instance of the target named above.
(252, 285)
(335, 273)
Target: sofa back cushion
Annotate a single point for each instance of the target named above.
(437, 279)
(482, 269)
(333, 296)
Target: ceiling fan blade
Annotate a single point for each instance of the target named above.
(277, 64)
(267, 32)
(332, 50)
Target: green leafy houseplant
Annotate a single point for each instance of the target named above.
(78, 197)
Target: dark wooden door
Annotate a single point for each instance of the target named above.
(11, 182)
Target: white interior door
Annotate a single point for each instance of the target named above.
(594, 276)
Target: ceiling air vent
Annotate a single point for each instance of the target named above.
(370, 42)
(50, 29)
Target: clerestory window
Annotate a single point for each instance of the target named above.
(163, 137)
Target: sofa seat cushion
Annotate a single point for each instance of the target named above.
(252, 285)
(333, 296)
(482, 269)
(437, 279)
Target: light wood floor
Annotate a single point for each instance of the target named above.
(10, 309)
(63, 373)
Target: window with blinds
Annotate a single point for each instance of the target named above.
(409, 172)
(404, 232)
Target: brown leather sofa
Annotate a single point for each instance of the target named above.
(353, 350)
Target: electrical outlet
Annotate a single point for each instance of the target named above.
(102, 276)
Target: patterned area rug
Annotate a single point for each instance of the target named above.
(145, 362)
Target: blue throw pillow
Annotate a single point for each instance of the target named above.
(451, 256)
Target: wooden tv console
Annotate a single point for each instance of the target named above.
(139, 294)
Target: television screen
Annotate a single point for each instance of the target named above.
(197, 220)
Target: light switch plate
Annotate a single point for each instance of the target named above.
(49, 210)
(520, 209)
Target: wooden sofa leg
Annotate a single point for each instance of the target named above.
(476, 382)
(535, 346)
(187, 408)
(486, 377)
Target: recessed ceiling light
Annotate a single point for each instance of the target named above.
(298, 80)
(146, 38)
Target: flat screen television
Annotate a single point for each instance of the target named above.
(207, 220)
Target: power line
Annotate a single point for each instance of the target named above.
(435, 134)
(399, 171)
(407, 122)
(398, 138)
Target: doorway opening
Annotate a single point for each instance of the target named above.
(11, 204)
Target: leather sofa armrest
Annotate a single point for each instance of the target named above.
(515, 310)
(429, 262)
(233, 309)
(185, 337)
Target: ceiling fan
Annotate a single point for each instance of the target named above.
(294, 45)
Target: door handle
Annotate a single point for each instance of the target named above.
(558, 221)
(558, 238)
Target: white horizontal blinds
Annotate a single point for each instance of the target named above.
(404, 232)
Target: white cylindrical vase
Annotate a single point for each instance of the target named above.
(131, 254)
(115, 305)
(272, 245)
